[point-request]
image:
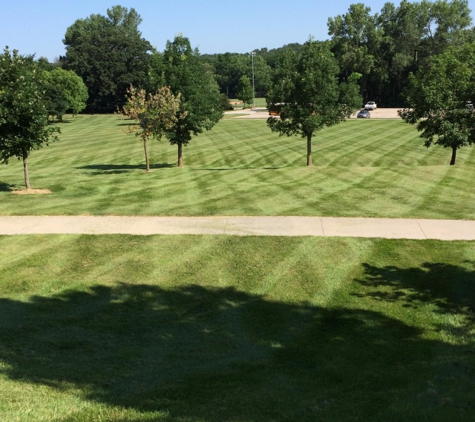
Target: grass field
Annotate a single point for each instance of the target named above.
(371, 168)
(238, 329)
(216, 328)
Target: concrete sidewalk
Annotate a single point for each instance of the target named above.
(242, 226)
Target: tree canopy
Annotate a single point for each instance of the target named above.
(109, 54)
(64, 90)
(23, 114)
(154, 114)
(245, 91)
(439, 99)
(200, 106)
(308, 94)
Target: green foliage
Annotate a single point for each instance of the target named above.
(201, 103)
(155, 114)
(308, 93)
(439, 100)
(64, 90)
(225, 104)
(109, 54)
(385, 47)
(23, 115)
(353, 36)
(154, 78)
(230, 67)
(245, 92)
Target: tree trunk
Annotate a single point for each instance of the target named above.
(454, 154)
(309, 150)
(180, 154)
(25, 170)
(147, 163)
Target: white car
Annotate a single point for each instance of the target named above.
(370, 105)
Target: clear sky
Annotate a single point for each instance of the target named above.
(38, 27)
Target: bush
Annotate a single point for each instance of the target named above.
(225, 104)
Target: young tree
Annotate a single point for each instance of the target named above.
(439, 100)
(23, 115)
(200, 107)
(155, 114)
(245, 91)
(64, 90)
(308, 95)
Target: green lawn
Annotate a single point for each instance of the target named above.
(238, 329)
(371, 168)
(260, 102)
(217, 328)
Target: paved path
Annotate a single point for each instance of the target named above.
(242, 226)
(261, 113)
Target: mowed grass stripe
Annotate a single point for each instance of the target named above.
(364, 168)
(222, 328)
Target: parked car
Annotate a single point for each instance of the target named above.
(370, 105)
(363, 114)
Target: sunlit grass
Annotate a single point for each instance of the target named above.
(371, 168)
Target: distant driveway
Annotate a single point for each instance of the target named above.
(261, 113)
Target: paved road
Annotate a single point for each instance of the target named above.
(261, 113)
(242, 226)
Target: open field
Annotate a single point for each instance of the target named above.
(374, 168)
(120, 328)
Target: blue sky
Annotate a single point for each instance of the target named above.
(38, 27)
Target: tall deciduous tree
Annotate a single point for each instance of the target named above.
(23, 115)
(200, 100)
(308, 94)
(109, 54)
(355, 40)
(439, 99)
(154, 113)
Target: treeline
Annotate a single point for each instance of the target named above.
(109, 54)
(383, 47)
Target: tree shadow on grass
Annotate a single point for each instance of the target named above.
(237, 168)
(120, 168)
(5, 187)
(59, 122)
(133, 123)
(450, 288)
(217, 354)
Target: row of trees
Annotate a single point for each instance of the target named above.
(305, 89)
(383, 47)
(388, 46)
(109, 53)
(312, 86)
(186, 103)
